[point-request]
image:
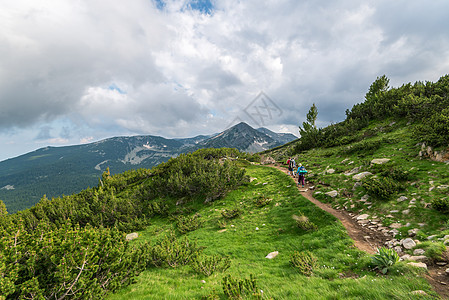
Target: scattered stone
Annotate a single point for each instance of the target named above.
(394, 231)
(131, 236)
(396, 225)
(406, 211)
(418, 258)
(398, 249)
(332, 194)
(389, 216)
(431, 237)
(418, 264)
(447, 271)
(379, 161)
(356, 185)
(402, 198)
(408, 243)
(203, 281)
(362, 175)
(405, 257)
(330, 171)
(419, 252)
(364, 198)
(444, 186)
(441, 263)
(272, 255)
(422, 224)
(257, 228)
(222, 230)
(419, 292)
(363, 217)
(394, 211)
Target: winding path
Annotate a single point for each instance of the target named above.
(367, 240)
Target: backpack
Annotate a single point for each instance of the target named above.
(302, 170)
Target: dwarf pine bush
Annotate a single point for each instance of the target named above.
(231, 213)
(173, 252)
(210, 264)
(381, 187)
(235, 288)
(303, 222)
(304, 261)
(185, 224)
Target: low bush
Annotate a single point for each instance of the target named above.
(440, 204)
(434, 250)
(231, 213)
(384, 259)
(235, 288)
(185, 224)
(381, 187)
(303, 222)
(304, 261)
(80, 263)
(173, 252)
(262, 201)
(209, 265)
(157, 208)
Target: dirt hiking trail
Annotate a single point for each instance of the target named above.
(368, 240)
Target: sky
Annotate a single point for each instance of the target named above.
(78, 71)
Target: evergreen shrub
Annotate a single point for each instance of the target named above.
(304, 261)
(235, 288)
(381, 187)
(440, 204)
(304, 223)
(210, 264)
(185, 224)
(173, 252)
(231, 213)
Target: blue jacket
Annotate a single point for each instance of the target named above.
(301, 170)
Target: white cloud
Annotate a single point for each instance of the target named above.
(108, 68)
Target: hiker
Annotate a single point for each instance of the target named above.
(293, 166)
(289, 166)
(301, 175)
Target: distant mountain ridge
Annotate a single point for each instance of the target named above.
(56, 171)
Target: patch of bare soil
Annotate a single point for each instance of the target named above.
(368, 241)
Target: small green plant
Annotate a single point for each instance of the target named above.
(434, 249)
(440, 204)
(235, 288)
(209, 265)
(185, 224)
(381, 187)
(173, 252)
(231, 213)
(157, 208)
(262, 201)
(384, 259)
(303, 222)
(304, 261)
(221, 223)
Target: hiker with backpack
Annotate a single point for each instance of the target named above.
(293, 166)
(301, 175)
(290, 169)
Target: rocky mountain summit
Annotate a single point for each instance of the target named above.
(55, 171)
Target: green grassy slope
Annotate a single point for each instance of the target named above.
(424, 182)
(343, 271)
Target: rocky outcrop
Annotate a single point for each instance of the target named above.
(428, 152)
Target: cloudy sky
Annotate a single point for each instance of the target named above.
(79, 71)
